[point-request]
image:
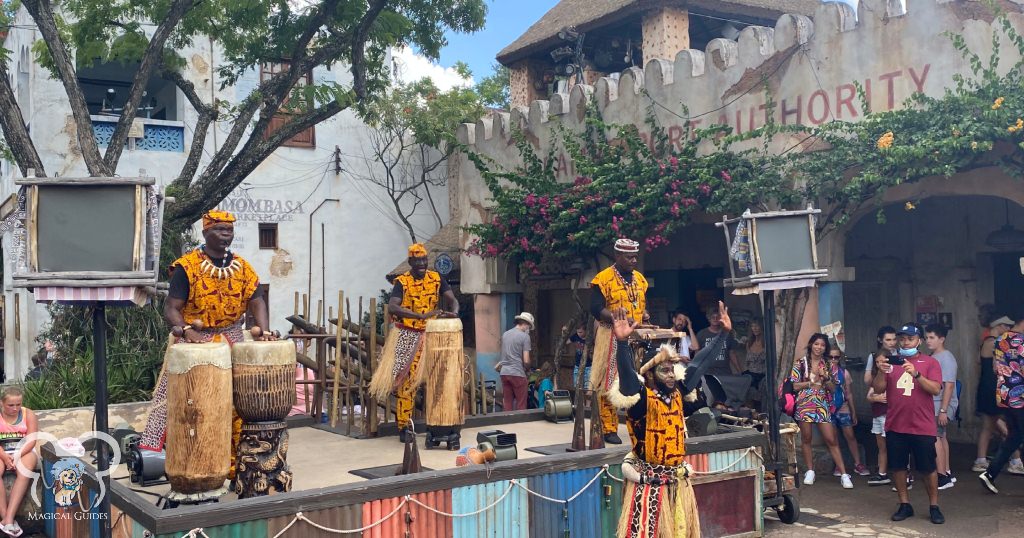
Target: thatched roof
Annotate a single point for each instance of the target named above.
(446, 240)
(588, 14)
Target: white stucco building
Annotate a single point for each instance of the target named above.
(309, 221)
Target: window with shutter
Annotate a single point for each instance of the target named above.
(303, 139)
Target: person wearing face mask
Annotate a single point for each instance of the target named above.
(910, 381)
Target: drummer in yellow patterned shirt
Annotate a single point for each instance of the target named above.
(414, 299)
(620, 286)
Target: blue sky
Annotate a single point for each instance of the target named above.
(506, 20)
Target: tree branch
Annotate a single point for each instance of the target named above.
(207, 114)
(14, 130)
(359, 38)
(47, 25)
(208, 191)
(150, 59)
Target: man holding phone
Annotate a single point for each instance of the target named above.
(910, 380)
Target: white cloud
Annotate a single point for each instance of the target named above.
(411, 67)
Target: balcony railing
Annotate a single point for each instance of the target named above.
(159, 135)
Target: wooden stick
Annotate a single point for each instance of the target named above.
(350, 421)
(296, 312)
(372, 350)
(305, 308)
(17, 316)
(84, 275)
(319, 313)
(359, 387)
(483, 395)
(86, 181)
(472, 389)
(337, 360)
(65, 283)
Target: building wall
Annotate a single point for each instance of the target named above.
(350, 243)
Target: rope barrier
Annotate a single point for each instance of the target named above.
(198, 532)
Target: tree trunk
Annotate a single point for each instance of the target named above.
(789, 306)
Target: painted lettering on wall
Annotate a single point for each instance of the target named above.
(809, 108)
(247, 209)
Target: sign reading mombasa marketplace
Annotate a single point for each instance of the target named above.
(250, 209)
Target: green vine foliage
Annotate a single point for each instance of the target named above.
(625, 188)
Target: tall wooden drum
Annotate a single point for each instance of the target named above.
(198, 420)
(441, 369)
(263, 375)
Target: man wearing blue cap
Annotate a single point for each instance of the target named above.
(910, 381)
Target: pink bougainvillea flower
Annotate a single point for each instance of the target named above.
(530, 200)
(705, 188)
(583, 219)
(492, 250)
(524, 243)
(631, 185)
(726, 177)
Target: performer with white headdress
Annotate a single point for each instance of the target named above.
(619, 287)
(658, 499)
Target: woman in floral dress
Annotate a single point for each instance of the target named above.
(814, 381)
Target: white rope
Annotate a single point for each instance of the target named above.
(731, 465)
(603, 470)
(480, 511)
(196, 533)
(302, 516)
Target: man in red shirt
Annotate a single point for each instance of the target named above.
(910, 381)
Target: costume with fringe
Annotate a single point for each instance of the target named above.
(397, 371)
(617, 292)
(658, 501)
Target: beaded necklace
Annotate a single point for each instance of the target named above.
(631, 292)
(219, 273)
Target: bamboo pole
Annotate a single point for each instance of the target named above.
(472, 389)
(359, 387)
(319, 313)
(372, 350)
(305, 369)
(349, 406)
(483, 395)
(337, 361)
(305, 307)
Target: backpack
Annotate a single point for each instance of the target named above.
(787, 395)
(839, 396)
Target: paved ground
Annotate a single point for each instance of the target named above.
(829, 510)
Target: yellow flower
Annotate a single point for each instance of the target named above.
(909, 206)
(1016, 127)
(885, 141)
(974, 145)
(998, 103)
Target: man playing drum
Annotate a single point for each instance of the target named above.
(211, 289)
(620, 286)
(415, 299)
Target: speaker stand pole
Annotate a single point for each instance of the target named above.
(99, 338)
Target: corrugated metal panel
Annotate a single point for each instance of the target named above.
(699, 462)
(248, 529)
(341, 518)
(733, 460)
(507, 519)
(611, 501)
(412, 520)
(581, 517)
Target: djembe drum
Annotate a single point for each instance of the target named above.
(264, 393)
(198, 421)
(441, 370)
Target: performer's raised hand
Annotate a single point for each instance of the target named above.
(723, 315)
(622, 325)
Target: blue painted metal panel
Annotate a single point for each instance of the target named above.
(611, 501)
(581, 517)
(507, 519)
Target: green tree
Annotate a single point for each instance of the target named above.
(413, 138)
(319, 33)
(494, 88)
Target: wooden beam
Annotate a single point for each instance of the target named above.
(84, 181)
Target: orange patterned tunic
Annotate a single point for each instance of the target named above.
(420, 296)
(659, 436)
(618, 294)
(218, 297)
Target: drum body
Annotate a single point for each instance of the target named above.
(442, 367)
(198, 417)
(263, 380)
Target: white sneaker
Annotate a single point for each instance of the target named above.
(1016, 468)
(808, 478)
(980, 465)
(845, 480)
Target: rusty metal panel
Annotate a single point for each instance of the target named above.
(338, 518)
(505, 519)
(718, 503)
(581, 517)
(611, 501)
(412, 520)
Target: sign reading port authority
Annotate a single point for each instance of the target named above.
(64, 478)
(249, 209)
